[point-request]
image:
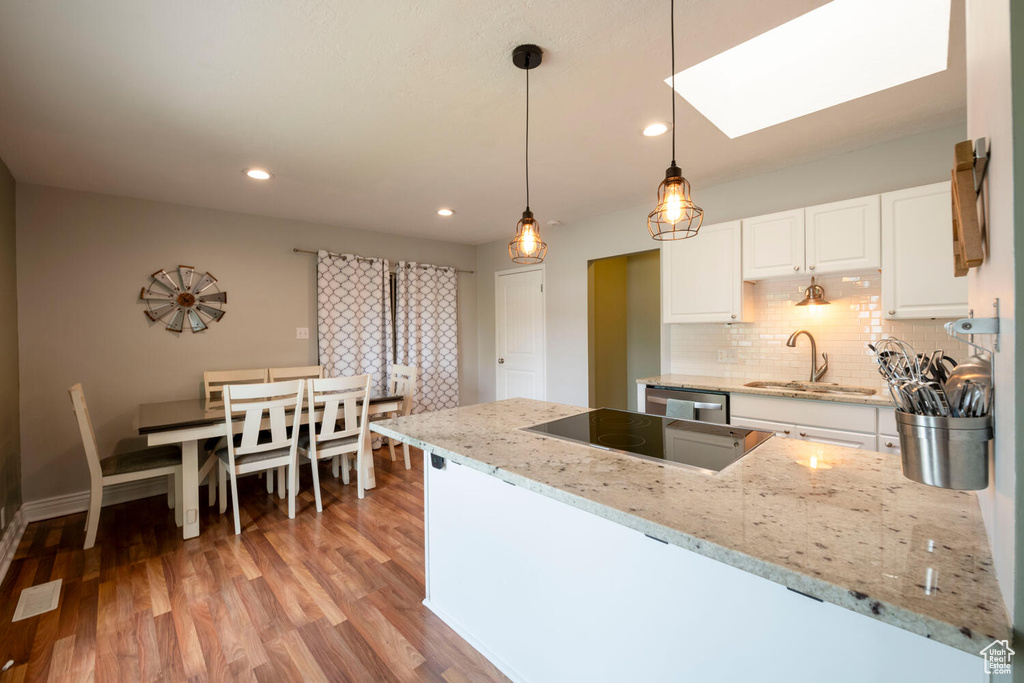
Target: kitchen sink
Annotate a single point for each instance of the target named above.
(813, 388)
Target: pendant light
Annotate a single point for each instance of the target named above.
(675, 217)
(814, 296)
(527, 246)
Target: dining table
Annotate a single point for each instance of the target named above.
(191, 422)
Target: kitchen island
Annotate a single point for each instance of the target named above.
(561, 561)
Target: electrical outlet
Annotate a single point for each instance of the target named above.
(727, 356)
(302, 333)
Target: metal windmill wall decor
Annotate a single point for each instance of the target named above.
(189, 299)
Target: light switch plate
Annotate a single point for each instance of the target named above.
(302, 333)
(727, 356)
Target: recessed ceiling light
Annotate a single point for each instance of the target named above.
(445, 212)
(258, 174)
(838, 52)
(655, 129)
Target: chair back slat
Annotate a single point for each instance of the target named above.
(273, 399)
(214, 381)
(92, 450)
(402, 382)
(346, 398)
(301, 372)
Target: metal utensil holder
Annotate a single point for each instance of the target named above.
(948, 452)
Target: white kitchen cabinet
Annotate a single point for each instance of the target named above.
(827, 422)
(773, 245)
(843, 236)
(780, 429)
(701, 280)
(917, 255)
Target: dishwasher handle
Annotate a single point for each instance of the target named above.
(699, 405)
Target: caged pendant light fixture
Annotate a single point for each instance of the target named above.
(527, 246)
(675, 217)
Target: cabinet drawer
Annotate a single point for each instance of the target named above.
(835, 437)
(844, 417)
(780, 429)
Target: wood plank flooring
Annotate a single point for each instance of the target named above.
(334, 596)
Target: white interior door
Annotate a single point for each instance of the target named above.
(519, 341)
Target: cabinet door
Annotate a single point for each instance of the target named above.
(700, 277)
(773, 245)
(888, 444)
(781, 429)
(917, 255)
(843, 236)
(834, 437)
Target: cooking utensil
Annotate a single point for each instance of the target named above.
(977, 370)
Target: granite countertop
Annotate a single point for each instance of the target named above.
(852, 531)
(735, 385)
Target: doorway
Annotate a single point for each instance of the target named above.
(624, 326)
(519, 333)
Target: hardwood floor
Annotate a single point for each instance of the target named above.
(334, 596)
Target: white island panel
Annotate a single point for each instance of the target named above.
(549, 592)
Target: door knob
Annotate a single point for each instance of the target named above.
(811, 267)
(888, 444)
(501, 361)
(803, 433)
(892, 311)
(796, 267)
(785, 431)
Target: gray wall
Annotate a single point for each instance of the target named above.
(990, 115)
(643, 320)
(82, 259)
(10, 444)
(902, 163)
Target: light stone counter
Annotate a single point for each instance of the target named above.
(853, 532)
(735, 385)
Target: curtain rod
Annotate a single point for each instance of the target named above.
(360, 258)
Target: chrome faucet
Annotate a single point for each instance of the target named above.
(816, 372)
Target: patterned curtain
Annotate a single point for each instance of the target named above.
(354, 325)
(426, 321)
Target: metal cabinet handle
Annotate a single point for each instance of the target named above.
(796, 267)
(785, 431)
(699, 405)
(500, 361)
(811, 267)
(803, 433)
(733, 316)
(892, 311)
(888, 444)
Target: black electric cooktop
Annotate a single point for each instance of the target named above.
(687, 443)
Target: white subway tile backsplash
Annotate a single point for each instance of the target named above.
(842, 330)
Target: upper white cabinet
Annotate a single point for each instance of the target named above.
(917, 255)
(773, 245)
(701, 278)
(843, 236)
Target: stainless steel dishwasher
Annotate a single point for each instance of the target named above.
(708, 406)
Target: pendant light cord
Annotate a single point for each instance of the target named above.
(527, 132)
(672, 30)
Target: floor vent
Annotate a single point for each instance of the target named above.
(37, 600)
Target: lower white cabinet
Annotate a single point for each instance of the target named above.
(548, 592)
(834, 437)
(701, 280)
(917, 255)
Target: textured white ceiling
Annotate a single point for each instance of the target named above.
(374, 114)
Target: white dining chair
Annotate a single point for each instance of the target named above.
(213, 392)
(402, 382)
(301, 372)
(256, 449)
(133, 465)
(347, 399)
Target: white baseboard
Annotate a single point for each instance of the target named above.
(494, 659)
(10, 540)
(69, 504)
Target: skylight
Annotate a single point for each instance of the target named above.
(833, 54)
